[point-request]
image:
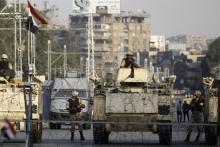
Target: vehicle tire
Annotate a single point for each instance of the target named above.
(58, 126)
(101, 136)
(37, 132)
(165, 134)
(210, 135)
(52, 126)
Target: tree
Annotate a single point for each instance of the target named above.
(3, 3)
(212, 58)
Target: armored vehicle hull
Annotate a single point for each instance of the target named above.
(135, 106)
(12, 106)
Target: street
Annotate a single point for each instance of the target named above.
(61, 138)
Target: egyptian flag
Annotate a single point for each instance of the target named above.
(8, 130)
(31, 24)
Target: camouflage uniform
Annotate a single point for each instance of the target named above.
(76, 117)
(74, 110)
(6, 69)
(196, 107)
(129, 62)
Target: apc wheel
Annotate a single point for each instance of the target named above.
(165, 134)
(58, 126)
(37, 132)
(210, 135)
(52, 126)
(55, 126)
(101, 136)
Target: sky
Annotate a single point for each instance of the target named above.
(167, 17)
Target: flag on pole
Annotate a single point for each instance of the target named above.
(8, 130)
(31, 24)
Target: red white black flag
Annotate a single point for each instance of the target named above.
(8, 130)
(31, 24)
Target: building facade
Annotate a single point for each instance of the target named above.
(114, 35)
(197, 42)
(159, 42)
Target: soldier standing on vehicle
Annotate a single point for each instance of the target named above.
(196, 106)
(186, 109)
(179, 111)
(127, 62)
(6, 69)
(75, 107)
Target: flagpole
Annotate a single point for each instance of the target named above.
(31, 55)
(28, 50)
(31, 51)
(34, 54)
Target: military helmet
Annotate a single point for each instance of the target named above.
(75, 93)
(4, 56)
(129, 54)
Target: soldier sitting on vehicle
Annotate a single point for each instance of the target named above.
(128, 62)
(196, 107)
(75, 107)
(6, 69)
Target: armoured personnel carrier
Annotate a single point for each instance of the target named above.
(142, 99)
(211, 109)
(13, 105)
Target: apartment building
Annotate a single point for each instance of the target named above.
(114, 35)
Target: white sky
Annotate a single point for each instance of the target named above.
(167, 17)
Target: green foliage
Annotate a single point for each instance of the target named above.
(2, 3)
(212, 58)
(7, 42)
(42, 38)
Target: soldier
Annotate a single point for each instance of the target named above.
(196, 107)
(6, 69)
(127, 62)
(75, 107)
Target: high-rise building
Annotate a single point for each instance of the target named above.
(188, 42)
(114, 35)
(198, 42)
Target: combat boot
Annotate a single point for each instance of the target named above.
(187, 137)
(72, 136)
(81, 135)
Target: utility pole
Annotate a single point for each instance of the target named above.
(145, 63)
(91, 60)
(49, 61)
(81, 66)
(64, 62)
(20, 43)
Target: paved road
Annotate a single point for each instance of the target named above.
(60, 138)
